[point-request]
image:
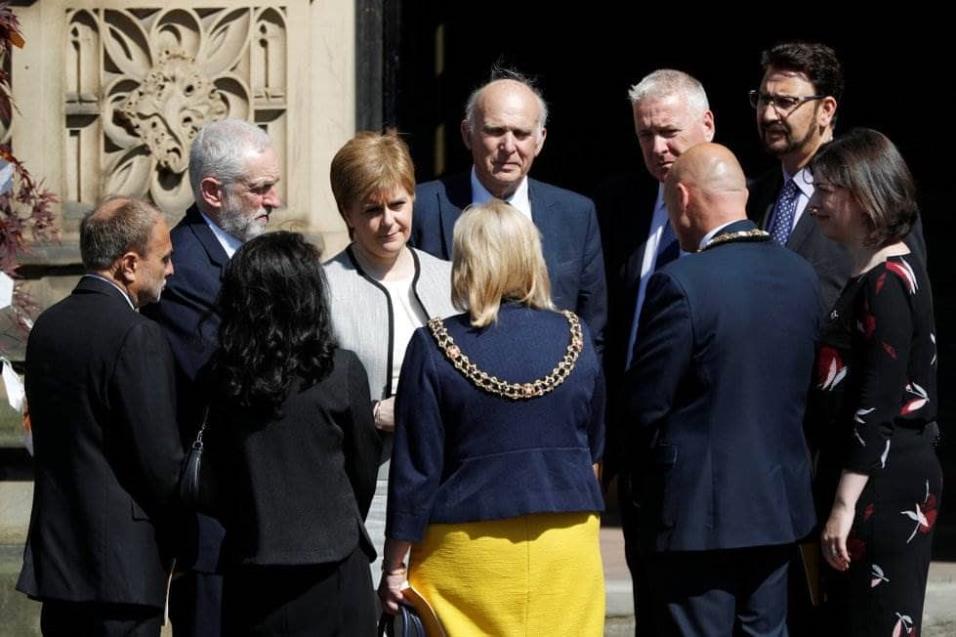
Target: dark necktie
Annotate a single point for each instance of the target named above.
(783, 212)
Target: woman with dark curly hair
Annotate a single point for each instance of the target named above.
(293, 452)
(874, 407)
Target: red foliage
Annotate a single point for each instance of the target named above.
(25, 204)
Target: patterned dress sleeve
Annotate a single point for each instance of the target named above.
(884, 337)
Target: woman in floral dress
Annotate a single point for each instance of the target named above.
(875, 396)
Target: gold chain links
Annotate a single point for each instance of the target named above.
(494, 385)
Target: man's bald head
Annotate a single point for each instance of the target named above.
(705, 188)
(504, 130)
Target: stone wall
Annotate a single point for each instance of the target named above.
(110, 95)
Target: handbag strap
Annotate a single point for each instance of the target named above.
(198, 443)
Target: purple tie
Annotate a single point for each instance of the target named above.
(783, 212)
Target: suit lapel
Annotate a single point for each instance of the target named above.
(548, 225)
(764, 195)
(458, 191)
(801, 231)
(204, 235)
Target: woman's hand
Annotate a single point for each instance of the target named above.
(390, 589)
(833, 538)
(837, 529)
(385, 414)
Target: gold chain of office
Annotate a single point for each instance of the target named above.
(494, 385)
(754, 234)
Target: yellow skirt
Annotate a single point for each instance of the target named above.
(539, 574)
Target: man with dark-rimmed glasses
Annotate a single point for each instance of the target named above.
(796, 106)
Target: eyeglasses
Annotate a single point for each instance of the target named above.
(780, 103)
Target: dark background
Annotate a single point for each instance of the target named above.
(586, 55)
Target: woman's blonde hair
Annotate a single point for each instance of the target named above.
(497, 257)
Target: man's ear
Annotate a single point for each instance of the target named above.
(211, 192)
(827, 112)
(541, 136)
(466, 133)
(683, 194)
(709, 126)
(126, 267)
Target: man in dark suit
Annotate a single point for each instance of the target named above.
(99, 381)
(671, 114)
(796, 109)
(233, 171)
(504, 128)
(718, 390)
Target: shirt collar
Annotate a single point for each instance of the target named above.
(125, 294)
(713, 233)
(228, 242)
(802, 179)
(520, 199)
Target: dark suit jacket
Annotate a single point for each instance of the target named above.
(99, 381)
(830, 260)
(296, 489)
(570, 240)
(625, 206)
(187, 314)
(718, 391)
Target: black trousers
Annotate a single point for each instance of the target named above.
(636, 560)
(317, 600)
(195, 604)
(93, 619)
(720, 593)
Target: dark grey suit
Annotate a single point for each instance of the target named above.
(99, 381)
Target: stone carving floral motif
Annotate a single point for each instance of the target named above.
(172, 102)
(142, 82)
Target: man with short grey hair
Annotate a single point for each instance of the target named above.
(107, 457)
(504, 128)
(233, 170)
(671, 114)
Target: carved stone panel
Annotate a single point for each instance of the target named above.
(140, 82)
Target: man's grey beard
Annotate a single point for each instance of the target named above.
(240, 226)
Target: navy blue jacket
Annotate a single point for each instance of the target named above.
(187, 314)
(465, 455)
(718, 389)
(570, 240)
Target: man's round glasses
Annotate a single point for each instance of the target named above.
(781, 103)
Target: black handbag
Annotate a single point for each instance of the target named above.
(404, 623)
(189, 477)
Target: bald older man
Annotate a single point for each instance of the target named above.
(717, 395)
(504, 128)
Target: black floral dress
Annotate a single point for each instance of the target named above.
(873, 412)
